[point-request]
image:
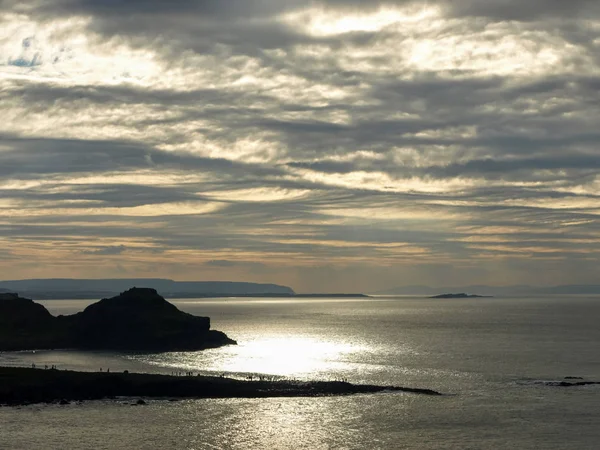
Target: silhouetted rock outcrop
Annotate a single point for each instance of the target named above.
(136, 320)
(26, 325)
(19, 311)
(25, 386)
(571, 383)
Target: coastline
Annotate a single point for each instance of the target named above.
(23, 386)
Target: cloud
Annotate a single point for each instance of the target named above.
(274, 139)
(107, 251)
(517, 10)
(225, 264)
(254, 8)
(220, 263)
(25, 156)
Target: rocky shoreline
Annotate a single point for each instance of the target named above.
(23, 386)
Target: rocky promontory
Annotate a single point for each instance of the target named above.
(21, 386)
(137, 320)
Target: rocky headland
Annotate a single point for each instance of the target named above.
(137, 320)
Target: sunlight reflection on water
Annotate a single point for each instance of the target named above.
(287, 356)
(298, 356)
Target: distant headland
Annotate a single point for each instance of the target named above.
(461, 295)
(64, 288)
(136, 320)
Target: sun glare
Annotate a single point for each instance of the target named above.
(294, 356)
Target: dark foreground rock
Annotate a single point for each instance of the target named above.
(26, 325)
(20, 386)
(136, 320)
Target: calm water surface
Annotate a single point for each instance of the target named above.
(492, 356)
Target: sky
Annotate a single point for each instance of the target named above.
(331, 146)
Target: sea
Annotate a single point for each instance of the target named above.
(497, 360)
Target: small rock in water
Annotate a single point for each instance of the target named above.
(64, 402)
(140, 402)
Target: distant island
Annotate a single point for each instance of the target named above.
(461, 295)
(496, 291)
(136, 320)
